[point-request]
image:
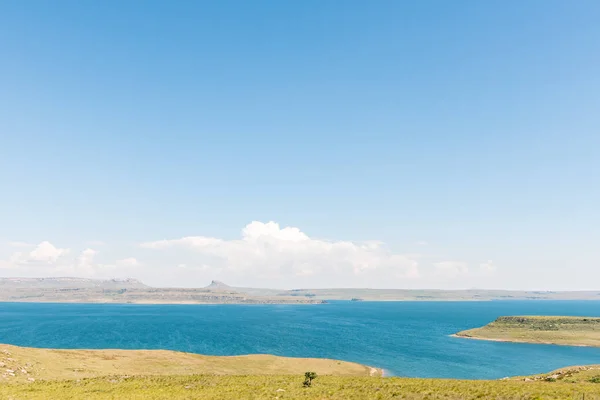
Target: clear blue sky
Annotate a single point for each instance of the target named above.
(473, 126)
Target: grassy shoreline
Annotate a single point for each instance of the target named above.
(456, 335)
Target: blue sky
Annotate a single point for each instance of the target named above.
(462, 137)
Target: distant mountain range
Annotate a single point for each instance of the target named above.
(83, 290)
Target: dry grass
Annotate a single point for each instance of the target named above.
(30, 363)
(265, 387)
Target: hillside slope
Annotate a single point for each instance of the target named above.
(22, 364)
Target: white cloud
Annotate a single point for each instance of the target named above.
(87, 266)
(190, 241)
(267, 251)
(47, 260)
(305, 272)
(83, 266)
(451, 269)
(45, 252)
(17, 258)
(86, 258)
(422, 243)
(265, 255)
(128, 262)
(487, 266)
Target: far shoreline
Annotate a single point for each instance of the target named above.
(456, 335)
(301, 303)
(179, 303)
(134, 291)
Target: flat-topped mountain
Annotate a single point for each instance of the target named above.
(220, 286)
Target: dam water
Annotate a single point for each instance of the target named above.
(404, 338)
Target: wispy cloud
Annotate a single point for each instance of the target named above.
(20, 244)
(128, 262)
(451, 269)
(95, 243)
(487, 266)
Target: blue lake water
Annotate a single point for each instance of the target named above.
(404, 338)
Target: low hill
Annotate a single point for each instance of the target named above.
(22, 364)
(572, 331)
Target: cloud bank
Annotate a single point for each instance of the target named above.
(271, 253)
(265, 254)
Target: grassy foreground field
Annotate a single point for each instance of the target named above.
(40, 374)
(573, 331)
(280, 387)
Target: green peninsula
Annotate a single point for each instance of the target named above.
(569, 331)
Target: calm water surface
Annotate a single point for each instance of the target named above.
(404, 338)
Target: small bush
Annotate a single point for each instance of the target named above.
(595, 379)
(308, 378)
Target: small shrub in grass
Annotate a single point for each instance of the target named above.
(308, 378)
(595, 379)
